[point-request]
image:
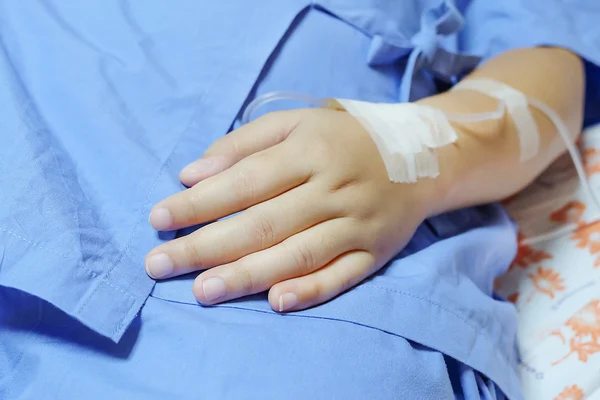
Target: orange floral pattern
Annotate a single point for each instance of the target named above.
(587, 320)
(588, 236)
(573, 392)
(513, 298)
(569, 213)
(527, 255)
(591, 161)
(585, 325)
(546, 281)
(559, 335)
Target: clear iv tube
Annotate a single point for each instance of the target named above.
(280, 95)
(319, 102)
(563, 131)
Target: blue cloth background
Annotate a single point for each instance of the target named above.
(103, 102)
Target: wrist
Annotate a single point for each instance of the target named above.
(466, 164)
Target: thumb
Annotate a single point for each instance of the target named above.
(258, 135)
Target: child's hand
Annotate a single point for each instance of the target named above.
(320, 214)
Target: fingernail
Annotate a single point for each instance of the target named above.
(191, 171)
(161, 219)
(159, 265)
(287, 301)
(214, 288)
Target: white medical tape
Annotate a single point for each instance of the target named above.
(406, 136)
(517, 106)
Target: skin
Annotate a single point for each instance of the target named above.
(318, 217)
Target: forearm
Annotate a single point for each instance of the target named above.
(483, 165)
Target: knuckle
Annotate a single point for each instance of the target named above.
(262, 231)
(244, 185)
(244, 279)
(316, 290)
(194, 202)
(304, 258)
(193, 254)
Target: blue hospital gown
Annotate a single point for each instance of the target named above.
(103, 102)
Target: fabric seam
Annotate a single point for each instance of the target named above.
(93, 273)
(33, 243)
(441, 307)
(505, 357)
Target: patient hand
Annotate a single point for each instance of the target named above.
(319, 212)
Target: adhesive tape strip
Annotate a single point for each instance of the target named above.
(517, 106)
(406, 135)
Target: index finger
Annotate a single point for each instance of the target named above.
(267, 131)
(253, 180)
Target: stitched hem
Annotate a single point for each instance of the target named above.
(115, 306)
